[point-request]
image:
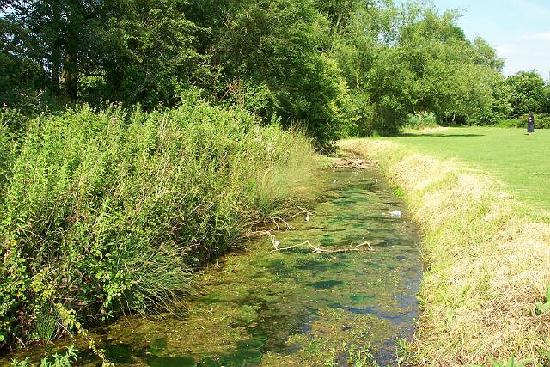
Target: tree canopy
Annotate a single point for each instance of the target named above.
(331, 67)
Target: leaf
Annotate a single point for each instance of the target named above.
(542, 308)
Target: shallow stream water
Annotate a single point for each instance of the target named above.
(295, 307)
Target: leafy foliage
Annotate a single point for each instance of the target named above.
(273, 58)
(542, 121)
(56, 360)
(147, 55)
(544, 307)
(527, 92)
(109, 211)
(413, 60)
(330, 68)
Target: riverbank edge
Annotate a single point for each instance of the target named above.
(125, 205)
(485, 257)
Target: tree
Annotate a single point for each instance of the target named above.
(22, 81)
(136, 51)
(148, 54)
(527, 92)
(54, 35)
(273, 56)
(546, 100)
(414, 60)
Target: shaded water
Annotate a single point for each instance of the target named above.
(295, 307)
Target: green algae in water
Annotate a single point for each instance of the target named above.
(295, 308)
(327, 284)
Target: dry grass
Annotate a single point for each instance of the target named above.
(487, 261)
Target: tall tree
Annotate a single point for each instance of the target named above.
(55, 35)
(527, 92)
(273, 57)
(148, 52)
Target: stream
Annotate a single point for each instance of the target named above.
(295, 307)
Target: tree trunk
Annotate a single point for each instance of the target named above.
(56, 65)
(56, 50)
(70, 68)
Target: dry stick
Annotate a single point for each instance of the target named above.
(277, 248)
(257, 233)
(274, 220)
(319, 249)
(316, 249)
(302, 211)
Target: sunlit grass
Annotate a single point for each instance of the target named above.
(520, 161)
(485, 252)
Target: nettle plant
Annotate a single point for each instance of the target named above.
(112, 210)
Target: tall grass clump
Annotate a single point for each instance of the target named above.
(6, 156)
(12, 124)
(109, 211)
(421, 120)
(486, 258)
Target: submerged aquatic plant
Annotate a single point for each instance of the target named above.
(65, 359)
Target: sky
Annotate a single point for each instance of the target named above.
(518, 29)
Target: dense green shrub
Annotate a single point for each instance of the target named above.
(421, 120)
(108, 211)
(6, 156)
(542, 121)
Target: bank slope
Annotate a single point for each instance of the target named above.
(486, 260)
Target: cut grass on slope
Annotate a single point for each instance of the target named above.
(520, 161)
(486, 260)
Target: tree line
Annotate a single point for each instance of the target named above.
(328, 67)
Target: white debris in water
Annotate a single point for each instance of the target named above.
(307, 217)
(396, 214)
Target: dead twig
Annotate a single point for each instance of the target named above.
(319, 249)
(275, 219)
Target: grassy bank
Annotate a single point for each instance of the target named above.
(519, 161)
(486, 257)
(103, 212)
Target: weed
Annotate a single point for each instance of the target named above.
(109, 211)
(56, 360)
(419, 121)
(544, 307)
(360, 357)
(508, 363)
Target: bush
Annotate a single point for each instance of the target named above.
(5, 155)
(542, 121)
(421, 120)
(111, 210)
(11, 128)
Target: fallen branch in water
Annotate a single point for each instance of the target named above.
(303, 211)
(276, 221)
(315, 249)
(319, 249)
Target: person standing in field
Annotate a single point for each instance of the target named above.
(531, 123)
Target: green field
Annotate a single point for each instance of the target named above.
(520, 161)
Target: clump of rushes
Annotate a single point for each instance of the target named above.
(110, 211)
(486, 261)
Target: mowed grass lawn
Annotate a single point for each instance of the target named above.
(520, 161)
